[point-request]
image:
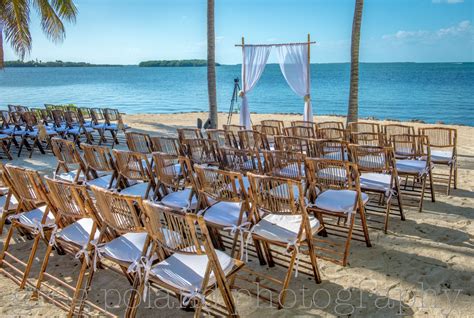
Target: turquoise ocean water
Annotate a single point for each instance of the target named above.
(431, 92)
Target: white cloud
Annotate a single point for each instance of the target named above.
(448, 1)
(461, 29)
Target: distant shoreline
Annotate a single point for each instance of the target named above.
(173, 63)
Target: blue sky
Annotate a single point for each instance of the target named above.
(130, 31)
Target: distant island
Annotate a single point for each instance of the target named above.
(174, 63)
(52, 64)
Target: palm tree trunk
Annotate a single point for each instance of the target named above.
(353, 109)
(211, 64)
(1, 46)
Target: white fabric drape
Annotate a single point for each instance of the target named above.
(293, 60)
(254, 62)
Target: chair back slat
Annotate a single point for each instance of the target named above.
(241, 160)
(139, 142)
(219, 185)
(167, 145)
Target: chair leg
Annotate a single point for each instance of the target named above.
(268, 254)
(422, 198)
(400, 204)
(6, 244)
(314, 261)
(387, 215)
(432, 187)
(85, 293)
(31, 259)
(365, 228)
(21, 146)
(78, 289)
(286, 282)
(134, 300)
(348, 240)
(455, 186)
(41, 273)
(448, 191)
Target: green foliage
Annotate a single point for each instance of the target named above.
(174, 63)
(61, 107)
(51, 64)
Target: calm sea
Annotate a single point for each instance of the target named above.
(430, 92)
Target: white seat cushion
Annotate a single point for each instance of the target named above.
(137, 189)
(282, 228)
(224, 213)
(129, 247)
(411, 166)
(79, 130)
(186, 271)
(289, 172)
(179, 200)
(102, 182)
(78, 232)
(126, 248)
(341, 201)
(70, 176)
(376, 181)
(30, 218)
(11, 206)
(441, 156)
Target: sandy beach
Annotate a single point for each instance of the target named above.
(423, 267)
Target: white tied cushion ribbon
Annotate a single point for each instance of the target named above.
(98, 250)
(295, 245)
(196, 294)
(142, 264)
(241, 229)
(84, 252)
(52, 238)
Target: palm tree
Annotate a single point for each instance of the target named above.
(353, 109)
(15, 19)
(211, 64)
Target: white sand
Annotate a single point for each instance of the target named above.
(423, 267)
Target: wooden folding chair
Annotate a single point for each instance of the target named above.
(5, 143)
(443, 146)
(331, 124)
(114, 123)
(224, 138)
(8, 199)
(134, 173)
(234, 128)
(335, 193)
(36, 132)
(270, 132)
(295, 144)
(363, 127)
(281, 219)
(305, 124)
(252, 139)
(189, 266)
(59, 122)
(32, 217)
(201, 151)
(416, 164)
(224, 203)
(189, 133)
(285, 164)
(278, 124)
(330, 149)
(123, 241)
(390, 130)
(100, 167)
(98, 124)
(300, 131)
(69, 161)
(139, 142)
(167, 145)
(241, 160)
(76, 228)
(176, 187)
(378, 174)
(76, 127)
(368, 139)
(333, 133)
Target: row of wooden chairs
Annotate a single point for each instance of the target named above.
(37, 126)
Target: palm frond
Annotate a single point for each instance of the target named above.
(16, 19)
(66, 9)
(50, 22)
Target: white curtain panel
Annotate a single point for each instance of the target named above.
(255, 59)
(293, 60)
